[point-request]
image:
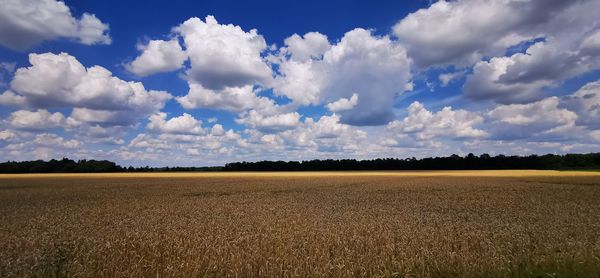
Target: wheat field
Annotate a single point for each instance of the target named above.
(326, 224)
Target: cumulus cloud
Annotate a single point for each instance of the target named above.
(158, 56)
(591, 44)
(484, 84)
(60, 81)
(36, 120)
(559, 39)
(375, 68)
(184, 124)
(227, 68)
(543, 119)
(228, 71)
(462, 32)
(81, 116)
(255, 119)
(518, 49)
(43, 145)
(520, 77)
(6, 135)
(223, 55)
(301, 82)
(425, 125)
(9, 98)
(325, 134)
(185, 147)
(53, 140)
(331, 127)
(217, 130)
(343, 104)
(233, 99)
(26, 23)
(311, 45)
(447, 78)
(586, 103)
(324, 137)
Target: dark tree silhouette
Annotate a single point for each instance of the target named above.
(60, 166)
(453, 162)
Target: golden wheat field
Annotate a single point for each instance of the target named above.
(347, 224)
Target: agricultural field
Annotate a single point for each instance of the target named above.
(400, 224)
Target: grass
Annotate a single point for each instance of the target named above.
(333, 224)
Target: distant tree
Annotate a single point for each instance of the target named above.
(453, 162)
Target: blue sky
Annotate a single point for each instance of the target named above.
(209, 82)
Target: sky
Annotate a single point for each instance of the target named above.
(201, 83)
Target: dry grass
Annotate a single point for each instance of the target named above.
(452, 173)
(424, 224)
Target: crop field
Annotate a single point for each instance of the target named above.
(346, 224)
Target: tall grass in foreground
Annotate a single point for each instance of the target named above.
(330, 226)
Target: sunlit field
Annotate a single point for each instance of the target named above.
(331, 224)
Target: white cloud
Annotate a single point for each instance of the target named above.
(526, 114)
(186, 149)
(447, 78)
(311, 45)
(212, 120)
(520, 77)
(357, 78)
(275, 122)
(6, 135)
(538, 120)
(9, 98)
(586, 103)
(271, 140)
(31, 146)
(92, 31)
(330, 127)
(462, 32)
(158, 56)
(343, 104)
(484, 83)
(227, 69)
(81, 116)
(305, 140)
(59, 80)
(301, 82)
(217, 130)
(559, 38)
(184, 124)
(26, 23)
(591, 44)
(326, 133)
(233, 99)
(375, 68)
(96, 133)
(36, 120)
(53, 140)
(223, 55)
(425, 125)
(547, 61)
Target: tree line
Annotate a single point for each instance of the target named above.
(60, 166)
(453, 162)
(66, 165)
